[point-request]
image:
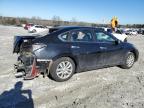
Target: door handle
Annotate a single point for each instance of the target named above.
(103, 48)
(75, 47)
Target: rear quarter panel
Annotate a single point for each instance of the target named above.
(53, 51)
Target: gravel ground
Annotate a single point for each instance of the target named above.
(103, 88)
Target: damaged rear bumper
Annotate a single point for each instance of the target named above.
(29, 66)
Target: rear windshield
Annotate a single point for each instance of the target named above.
(51, 30)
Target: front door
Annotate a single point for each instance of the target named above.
(112, 50)
(85, 49)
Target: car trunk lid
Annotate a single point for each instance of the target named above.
(18, 40)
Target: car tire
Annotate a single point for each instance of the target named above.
(129, 61)
(33, 31)
(125, 40)
(62, 69)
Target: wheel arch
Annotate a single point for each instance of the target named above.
(135, 54)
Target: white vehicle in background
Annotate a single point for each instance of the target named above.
(133, 32)
(122, 37)
(37, 29)
(119, 34)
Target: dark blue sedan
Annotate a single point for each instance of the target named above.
(67, 50)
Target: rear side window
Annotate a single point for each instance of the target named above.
(81, 36)
(63, 37)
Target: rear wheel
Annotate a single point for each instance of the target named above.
(129, 60)
(62, 69)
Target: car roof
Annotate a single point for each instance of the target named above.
(70, 27)
(62, 29)
(75, 27)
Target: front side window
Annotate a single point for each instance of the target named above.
(81, 36)
(102, 37)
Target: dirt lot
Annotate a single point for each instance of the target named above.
(104, 88)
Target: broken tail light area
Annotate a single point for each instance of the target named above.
(25, 65)
(28, 66)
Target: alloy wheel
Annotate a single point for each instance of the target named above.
(130, 60)
(64, 69)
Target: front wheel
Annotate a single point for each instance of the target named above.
(62, 69)
(129, 60)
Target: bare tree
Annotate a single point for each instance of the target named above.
(56, 20)
(17, 21)
(74, 21)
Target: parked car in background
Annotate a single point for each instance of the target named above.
(67, 50)
(131, 32)
(27, 26)
(119, 34)
(141, 31)
(37, 28)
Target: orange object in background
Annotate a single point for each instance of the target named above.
(114, 23)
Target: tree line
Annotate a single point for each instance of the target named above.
(55, 21)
